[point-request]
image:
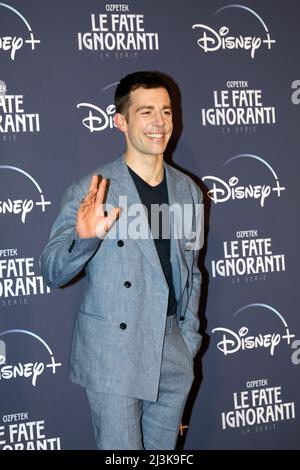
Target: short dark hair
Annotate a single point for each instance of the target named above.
(132, 82)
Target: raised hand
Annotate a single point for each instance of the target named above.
(91, 221)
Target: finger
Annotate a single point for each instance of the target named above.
(100, 198)
(93, 183)
(101, 192)
(92, 191)
(105, 224)
(89, 198)
(112, 217)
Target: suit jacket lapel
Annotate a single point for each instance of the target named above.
(177, 192)
(127, 188)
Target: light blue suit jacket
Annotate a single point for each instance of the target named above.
(119, 332)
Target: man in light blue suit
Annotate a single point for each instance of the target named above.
(136, 333)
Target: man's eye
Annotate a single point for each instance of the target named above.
(145, 112)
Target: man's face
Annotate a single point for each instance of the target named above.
(149, 124)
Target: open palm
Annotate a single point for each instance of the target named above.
(91, 220)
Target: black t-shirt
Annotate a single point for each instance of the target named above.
(158, 195)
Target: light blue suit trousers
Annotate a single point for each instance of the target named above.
(125, 423)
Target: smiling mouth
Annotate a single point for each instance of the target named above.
(155, 136)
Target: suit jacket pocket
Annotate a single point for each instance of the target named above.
(97, 316)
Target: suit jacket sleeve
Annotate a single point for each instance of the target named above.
(66, 253)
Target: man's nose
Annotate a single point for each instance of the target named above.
(158, 120)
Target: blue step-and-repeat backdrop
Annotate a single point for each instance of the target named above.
(237, 84)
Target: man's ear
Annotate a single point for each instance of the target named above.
(120, 122)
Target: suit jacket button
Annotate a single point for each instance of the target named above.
(71, 246)
(187, 284)
(127, 284)
(70, 249)
(120, 243)
(123, 326)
